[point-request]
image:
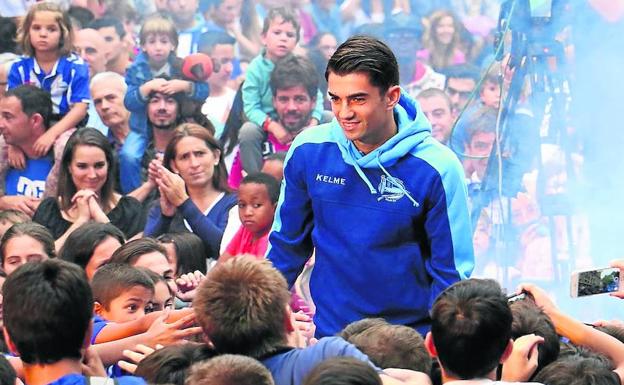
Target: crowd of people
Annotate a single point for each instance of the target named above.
(284, 192)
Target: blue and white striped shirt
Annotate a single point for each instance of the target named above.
(67, 83)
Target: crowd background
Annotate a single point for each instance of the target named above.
(558, 209)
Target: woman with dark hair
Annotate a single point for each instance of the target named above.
(25, 242)
(85, 190)
(185, 251)
(92, 246)
(194, 194)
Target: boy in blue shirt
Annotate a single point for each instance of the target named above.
(157, 60)
(280, 34)
(47, 318)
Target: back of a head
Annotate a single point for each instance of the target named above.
(241, 306)
(171, 364)
(367, 55)
(7, 373)
(47, 311)
(577, 370)
(229, 369)
(359, 326)
(343, 371)
(471, 327)
(393, 346)
(528, 318)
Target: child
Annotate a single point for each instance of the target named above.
(46, 39)
(490, 91)
(159, 39)
(163, 296)
(257, 200)
(120, 294)
(280, 34)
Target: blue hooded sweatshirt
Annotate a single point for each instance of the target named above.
(390, 229)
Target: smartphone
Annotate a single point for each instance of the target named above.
(595, 281)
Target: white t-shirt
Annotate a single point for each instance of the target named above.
(217, 108)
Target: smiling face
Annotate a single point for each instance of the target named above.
(255, 208)
(20, 250)
(88, 168)
(294, 107)
(444, 30)
(280, 39)
(195, 161)
(363, 112)
(45, 31)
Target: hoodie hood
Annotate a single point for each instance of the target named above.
(413, 129)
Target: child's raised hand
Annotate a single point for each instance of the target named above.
(174, 86)
(161, 332)
(17, 159)
(188, 284)
(43, 145)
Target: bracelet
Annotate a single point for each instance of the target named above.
(265, 125)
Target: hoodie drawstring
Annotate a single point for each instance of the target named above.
(362, 175)
(393, 180)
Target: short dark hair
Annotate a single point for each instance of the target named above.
(360, 326)
(577, 370)
(208, 40)
(271, 184)
(528, 318)
(279, 156)
(461, 71)
(471, 327)
(286, 14)
(343, 371)
(190, 252)
(108, 21)
(34, 230)
(34, 100)
(82, 242)
(8, 35)
(81, 15)
(47, 311)
(7, 373)
(113, 279)
(229, 369)
(292, 71)
(241, 305)
(393, 346)
(171, 364)
(131, 251)
(66, 188)
(368, 55)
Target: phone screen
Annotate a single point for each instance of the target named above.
(598, 281)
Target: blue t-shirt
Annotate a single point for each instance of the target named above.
(30, 181)
(292, 366)
(98, 325)
(79, 379)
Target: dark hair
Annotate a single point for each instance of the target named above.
(108, 21)
(34, 100)
(368, 55)
(471, 327)
(190, 252)
(240, 306)
(393, 346)
(528, 318)
(66, 187)
(272, 185)
(113, 279)
(34, 230)
(461, 71)
(229, 369)
(577, 370)
(81, 15)
(171, 364)
(7, 373)
(343, 371)
(8, 34)
(360, 326)
(292, 71)
(82, 242)
(131, 251)
(47, 311)
(483, 121)
(286, 14)
(208, 40)
(220, 177)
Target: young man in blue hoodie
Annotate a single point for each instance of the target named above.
(382, 203)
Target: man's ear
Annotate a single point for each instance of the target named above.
(507, 351)
(36, 120)
(97, 308)
(392, 97)
(430, 345)
(9, 343)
